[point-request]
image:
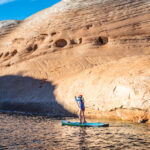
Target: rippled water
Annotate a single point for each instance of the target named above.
(36, 132)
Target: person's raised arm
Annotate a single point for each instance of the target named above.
(76, 98)
(76, 101)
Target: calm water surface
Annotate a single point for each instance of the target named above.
(35, 132)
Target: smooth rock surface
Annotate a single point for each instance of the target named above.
(7, 26)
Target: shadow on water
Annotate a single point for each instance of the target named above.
(25, 94)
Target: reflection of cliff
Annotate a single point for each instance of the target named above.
(97, 48)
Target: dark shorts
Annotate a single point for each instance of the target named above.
(82, 108)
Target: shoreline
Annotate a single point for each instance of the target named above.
(34, 114)
(48, 115)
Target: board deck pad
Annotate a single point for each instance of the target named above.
(87, 124)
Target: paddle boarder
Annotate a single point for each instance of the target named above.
(80, 102)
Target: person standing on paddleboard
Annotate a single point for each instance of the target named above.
(81, 106)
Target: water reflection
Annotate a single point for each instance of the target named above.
(82, 138)
(24, 132)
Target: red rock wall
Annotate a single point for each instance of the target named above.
(97, 48)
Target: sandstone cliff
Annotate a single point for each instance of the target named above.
(7, 26)
(98, 48)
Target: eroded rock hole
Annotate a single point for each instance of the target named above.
(32, 47)
(61, 43)
(76, 41)
(102, 40)
(51, 41)
(143, 120)
(88, 26)
(1, 55)
(8, 65)
(73, 41)
(80, 40)
(35, 47)
(6, 54)
(29, 48)
(53, 33)
(14, 52)
(44, 34)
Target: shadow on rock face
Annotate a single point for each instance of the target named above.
(26, 94)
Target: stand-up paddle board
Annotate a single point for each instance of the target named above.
(65, 122)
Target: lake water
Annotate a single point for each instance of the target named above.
(20, 132)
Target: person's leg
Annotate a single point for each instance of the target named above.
(80, 116)
(83, 116)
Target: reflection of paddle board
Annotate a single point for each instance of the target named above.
(65, 122)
